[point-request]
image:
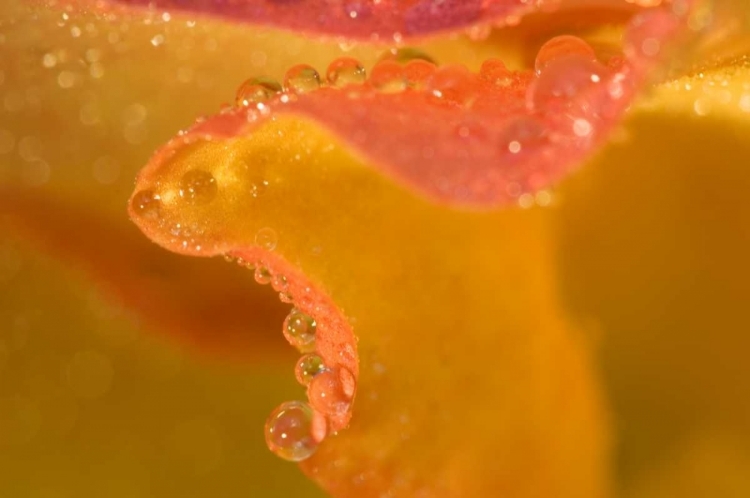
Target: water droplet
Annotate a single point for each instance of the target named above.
(326, 393)
(453, 85)
(564, 82)
(417, 72)
(494, 71)
(345, 71)
(198, 186)
(279, 282)
(262, 275)
(308, 367)
(256, 90)
(562, 46)
(147, 204)
(288, 431)
(388, 77)
(301, 79)
(266, 238)
(406, 54)
(299, 330)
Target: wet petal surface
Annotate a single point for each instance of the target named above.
(473, 139)
(422, 314)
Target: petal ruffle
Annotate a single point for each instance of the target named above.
(477, 140)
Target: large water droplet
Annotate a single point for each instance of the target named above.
(288, 431)
(198, 186)
(565, 82)
(147, 204)
(266, 238)
(308, 367)
(453, 85)
(388, 77)
(327, 395)
(345, 71)
(301, 79)
(256, 90)
(299, 330)
(561, 46)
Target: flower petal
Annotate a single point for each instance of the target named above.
(379, 21)
(467, 374)
(521, 131)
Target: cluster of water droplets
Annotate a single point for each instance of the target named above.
(396, 71)
(568, 97)
(294, 429)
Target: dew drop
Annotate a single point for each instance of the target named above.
(388, 77)
(308, 367)
(301, 79)
(562, 46)
(494, 71)
(262, 275)
(453, 85)
(198, 186)
(256, 90)
(564, 81)
(417, 72)
(288, 431)
(266, 238)
(279, 282)
(147, 204)
(406, 54)
(327, 395)
(299, 330)
(345, 71)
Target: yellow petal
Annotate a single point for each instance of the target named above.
(469, 377)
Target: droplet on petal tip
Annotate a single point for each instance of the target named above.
(288, 431)
(147, 205)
